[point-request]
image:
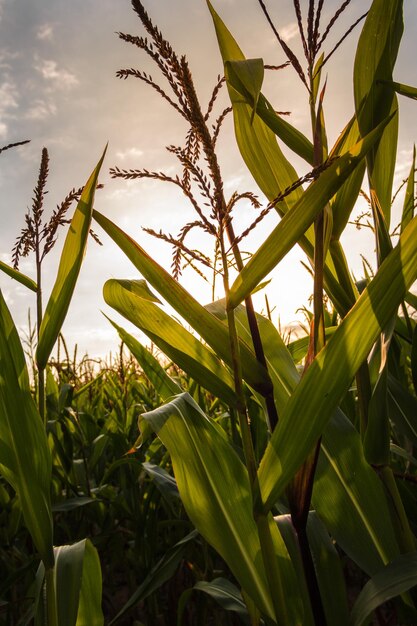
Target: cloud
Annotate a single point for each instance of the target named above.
(6, 56)
(60, 77)
(45, 32)
(128, 189)
(289, 32)
(41, 110)
(3, 130)
(129, 153)
(9, 96)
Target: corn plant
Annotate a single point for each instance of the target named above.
(70, 574)
(272, 501)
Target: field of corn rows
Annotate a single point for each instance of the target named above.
(228, 474)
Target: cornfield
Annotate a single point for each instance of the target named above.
(224, 473)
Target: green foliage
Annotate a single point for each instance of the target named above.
(69, 267)
(230, 478)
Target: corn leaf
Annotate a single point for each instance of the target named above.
(344, 200)
(257, 143)
(329, 572)
(375, 99)
(402, 409)
(172, 338)
(287, 532)
(325, 382)
(294, 223)
(214, 333)
(231, 52)
(25, 460)
(327, 565)
(376, 443)
(162, 571)
(226, 594)
(281, 368)
(68, 270)
(68, 574)
(89, 609)
(272, 172)
(402, 90)
(409, 199)
(298, 348)
(215, 491)
(396, 578)
(78, 584)
(21, 278)
(165, 483)
(249, 76)
(251, 95)
(360, 525)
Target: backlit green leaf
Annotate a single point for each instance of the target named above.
(281, 368)
(409, 199)
(344, 200)
(257, 143)
(249, 76)
(171, 337)
(294, 223)
(69, 267)
(403, 90)
(292, 137)
(21, 278)
(215, 490)
(25, 460)
(374, 99)
(89, 609)
(214, 333)
(330, 575)
(68, 574)
(326, 380)
(360, 524)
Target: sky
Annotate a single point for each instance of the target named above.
(58, 88)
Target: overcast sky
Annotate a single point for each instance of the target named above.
(58, 88)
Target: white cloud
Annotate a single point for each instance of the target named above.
(40, 110)
(127, 190)
(129, 153)
(289, 32)
(6, 56)
(8, 96)
(45, 32)
(61, 77)
(8, 100)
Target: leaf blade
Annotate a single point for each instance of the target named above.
(21, 278)
(222, 515)
(294, 223)
(325, 382)
(396, 578)
(213, 332)
(175, 341)
(25, 460)
(68, 270)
